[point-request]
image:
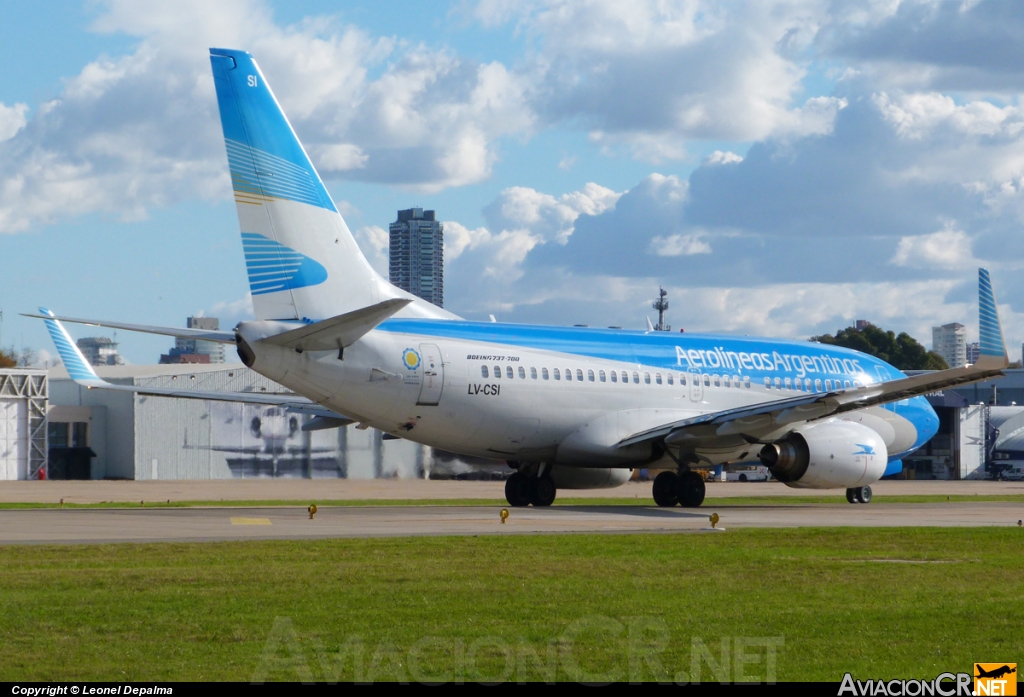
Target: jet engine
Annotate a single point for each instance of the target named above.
(830, 455)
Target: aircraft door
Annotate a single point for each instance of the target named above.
(696, 386)
(433, 375)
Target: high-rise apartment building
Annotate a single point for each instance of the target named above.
(100, 350)
(950, 342)
(973, 352)
(416, 254)
(195, 350)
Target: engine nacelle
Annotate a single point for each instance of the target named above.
(589, 477)
(831, 455)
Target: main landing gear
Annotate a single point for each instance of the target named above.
(685, 488)
(522, 489)
(859, 494)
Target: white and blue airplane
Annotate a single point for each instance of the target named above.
(565, 407)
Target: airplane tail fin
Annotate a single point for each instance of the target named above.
(990, 332)
(302, 260)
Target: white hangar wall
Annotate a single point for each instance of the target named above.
(143, 437)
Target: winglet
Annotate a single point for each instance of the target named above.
(78, 368)
(993, 348)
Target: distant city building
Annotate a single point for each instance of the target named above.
(416, 252)
(973, 353)
(194, 350)
(862, 324)
(950, 342)
(100, 350)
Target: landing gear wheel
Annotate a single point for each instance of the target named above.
(664, 489)
(690, 489)
(859, 494)
(516, 490)
(543, 491)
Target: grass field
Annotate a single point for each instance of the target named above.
(588, 501)
(879, 603)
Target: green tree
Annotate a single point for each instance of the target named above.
(902, 351)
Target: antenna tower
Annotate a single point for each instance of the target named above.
(661, 304)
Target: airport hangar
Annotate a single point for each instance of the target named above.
(52, 427)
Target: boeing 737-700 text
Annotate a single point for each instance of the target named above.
(565, 407)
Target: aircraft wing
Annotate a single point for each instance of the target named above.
(760, 419)
(82, 373)
(179, 332)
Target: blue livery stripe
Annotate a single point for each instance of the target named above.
(990, 334)
(272, 267)
(723, 355)
(259, 173)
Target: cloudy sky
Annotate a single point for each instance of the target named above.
(780, 167)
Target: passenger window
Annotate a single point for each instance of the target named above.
(682, 379)
(544, 373)
(707, 381)
(846, 384)
(590, 375)
(856, 383)
(817, 385)
(579, 375)
(636, 378)
(828, 385)
(768, 383)
(558, 375)
(483, 372)
(778, 383)
(625, 377)
(746, 381)
(725, 381)
(497, 371)
(615, 376)
(717, 382)
(533, 373)
(604, 377)
(508, 372)
(522, 373)
(657, 378)
(568, 374)
(647, 378)
(669, 376)
(807, 385)
(789, 384)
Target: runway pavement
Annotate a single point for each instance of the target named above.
(311, 490)
(21, 526)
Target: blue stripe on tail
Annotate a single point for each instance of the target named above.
(273, 267)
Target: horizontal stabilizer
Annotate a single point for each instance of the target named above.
(338, 332)
(82, 373)
(179, 332)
